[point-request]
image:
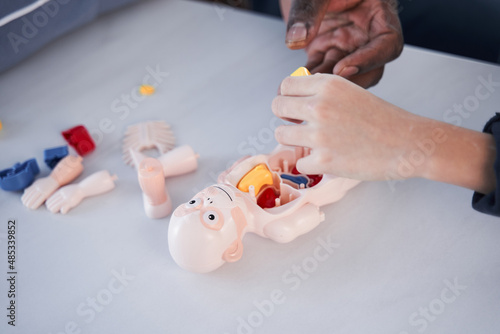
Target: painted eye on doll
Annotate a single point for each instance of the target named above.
(210, 217)
(193, 203)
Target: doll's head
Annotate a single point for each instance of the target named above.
(206, 232)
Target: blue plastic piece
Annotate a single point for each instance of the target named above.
(19, 176)
(297, 179)
(53, 155)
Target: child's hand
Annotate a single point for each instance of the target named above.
(357, 135)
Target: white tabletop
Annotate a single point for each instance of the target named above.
(409, 257)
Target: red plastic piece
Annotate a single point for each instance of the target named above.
(79, 138)
(314, 180)
(267, 198)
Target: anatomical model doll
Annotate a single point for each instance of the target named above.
(263, 194)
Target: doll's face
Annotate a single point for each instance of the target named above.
(202, 230)
(209, 205)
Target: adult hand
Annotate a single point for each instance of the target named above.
(351, 38)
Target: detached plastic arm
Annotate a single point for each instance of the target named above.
(70, 196)
(65, 171)
(180, 160)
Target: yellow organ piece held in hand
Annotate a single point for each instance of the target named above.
(300, 72)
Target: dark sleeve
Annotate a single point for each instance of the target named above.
(490, 203)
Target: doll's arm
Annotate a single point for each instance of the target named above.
(70, 196)
(65, 171)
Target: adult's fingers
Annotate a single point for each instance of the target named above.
(304, 21)
(347, 37)
(314, 60)
(368, 79)
(331, 57)
(375, 54)
(385, 45)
